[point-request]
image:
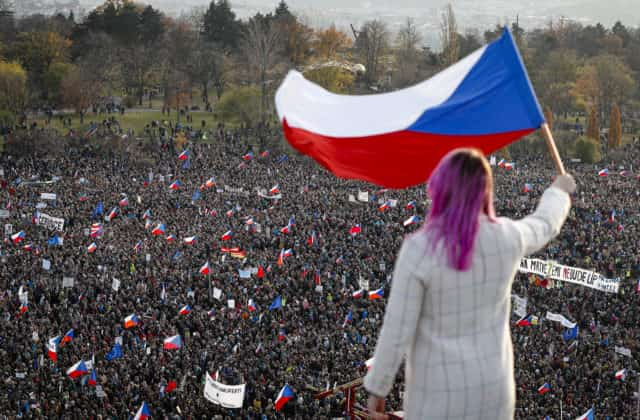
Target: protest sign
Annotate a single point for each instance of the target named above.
(555, 271)
(560, 318)
(50, 222)
(48, 196)
(519, 305)
(227, 396)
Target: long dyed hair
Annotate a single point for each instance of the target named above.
(461, 188)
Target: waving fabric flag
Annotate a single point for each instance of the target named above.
(589, 415)
(77, 370)
(52, 348)
(131, 321)
(184, 155)
(172, 343)
(143, 412)
(377, 294)
(115, 353)
(18, 237)
(396, 139)
(284, 396)
(621, 374)
(544, 388)
(205, 269)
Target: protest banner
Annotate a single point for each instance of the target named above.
(555, 271)
(50, 222)
(217, 293)
(263, 194)
(231, 303)
(363, 196)
(4, 214)
(623, 351)
(519, 305)
(46, 264)
(48, 196)
(227, 396)
(352, 198)
(559, 318)
(244, 274)
(68, 282)
(115, 285)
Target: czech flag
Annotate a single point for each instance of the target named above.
(357, 294)
(317, 278)
(172, 343)
(18, 237)
(509, 166)
(621, 374)
(95, 230)
(185, 310)
(264, 154)
(93, 380)
(612, 217)
(147, 214)
(603, 172)
(377, 294)
(589, 415)
(158, 230)
(502, 163)
(282, 334)
(52, 348)
(355, 230)
(131, 321)
(124, 202)
(227, 235)
(77, 370)
(175, 185)
(205, 269)
(527, 321)
(23, 308)
(143, 412)
(275, 189)
(247, 157)
(184, 155)
(396, 139)
(251, 305)
(171, 238)
(147, 224)
(347, 319)
(113, 213)
(527, 188)
(91, 248)
(410, 221)
(211, 182)
(68, 337)
(544, 388)
(284, 396)
(250, 221)
(28, 247)
(312, 238)
(385, 206)
(190, 240)
(171, 385)
(137, 247)
(410, 205)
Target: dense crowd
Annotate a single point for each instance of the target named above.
(306, 342)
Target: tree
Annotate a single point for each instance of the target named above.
(407, 55)
(328, 42)
(593, 126)
(52, 80)
(615, 128)
(80, 90)
(13, 87)
(221, 26)
(334, 79)
(469, 42)
(614, 80)
(588, 150)
(261, 43)
(372, 42)
(208, 64)
(555, 79)
(449, 37)
(242, 103)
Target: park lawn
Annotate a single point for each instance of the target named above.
(135, 120)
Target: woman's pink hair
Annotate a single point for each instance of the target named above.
(461, 188)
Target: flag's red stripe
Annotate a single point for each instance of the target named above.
(395, 160)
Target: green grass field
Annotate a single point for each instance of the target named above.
(135, 120)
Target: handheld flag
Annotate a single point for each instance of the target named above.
(190, 240)
(355, 230)
(147, 214)
(603, 172)
(357, 294)
(284, 396)
(396, 139)
(247, 157)
(276, 304)
(377, 294)
(175, 185)
(93, 380)
(251, 305)
(544, 388)
(527, 188)
(77, 370)
(570, 333)
(185, 310)
(205, 269)
(124, 202)
(95, 230)
(211, 182)
(18, 237)
(113, 213)
(143, 412)
(589, 415)
(184, 155)
(92, 247)
(172, 343)
(115, 353)
(131, 321)
(68, 337)
(158, 230)
(410, 205)
(527, 321)
(226, 236)
(275, 189)
(52, 348)
(347, 319)
(621, 374)
(410, 221)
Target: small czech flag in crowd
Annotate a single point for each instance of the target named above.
(184, 155)
(355, 230)
(91, 248)
(175, 185)
(77, 370)
(18, 237)
(621, 374)
(131, 321)
(143, 412)
(185, 310)
(603, 172)
(377, 294)
(172, 343)
(205, 269)
(544, 388)
(227, 235)
(158, 230)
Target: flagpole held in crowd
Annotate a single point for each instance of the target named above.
(551, 145)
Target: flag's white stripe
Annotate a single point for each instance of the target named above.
(308, 106)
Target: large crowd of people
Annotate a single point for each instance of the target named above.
(307, 342)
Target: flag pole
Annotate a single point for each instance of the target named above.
(551, 145)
